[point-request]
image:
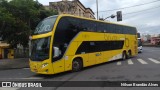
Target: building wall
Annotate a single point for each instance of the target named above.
(5, 51)
(155, 40)
(6, 55)
(78, 10)
(88, 15)
(81, 10)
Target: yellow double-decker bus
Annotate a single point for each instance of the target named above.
(65, 42)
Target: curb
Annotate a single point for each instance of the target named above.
(11, 68)
(7, 64)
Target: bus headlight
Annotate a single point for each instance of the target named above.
(44, 65)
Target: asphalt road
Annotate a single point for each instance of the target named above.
(144, 67)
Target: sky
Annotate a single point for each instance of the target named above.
(146, 17)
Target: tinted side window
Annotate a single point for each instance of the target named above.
(74, 24)
(109, 28)
(84, 48)
(100, 27)
(134, 31)
(66, 30)
(119, 29)
(61, 32)
(129, 30)
(88, 25)
(103, 27)
(124, 30)
(98, 46)
(112, 28)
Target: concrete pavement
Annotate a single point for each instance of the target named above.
(14, 63)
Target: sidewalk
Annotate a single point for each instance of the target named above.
(14, 63)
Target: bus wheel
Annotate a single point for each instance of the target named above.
(129, 54)
(77, 65)
(124, 55)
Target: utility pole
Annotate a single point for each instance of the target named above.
(97, 9)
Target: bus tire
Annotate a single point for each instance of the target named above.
(77, 65)
(129, 54)
(124, 55)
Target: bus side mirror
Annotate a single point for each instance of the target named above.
(57, 52)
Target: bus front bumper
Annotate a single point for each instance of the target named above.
(41, 68)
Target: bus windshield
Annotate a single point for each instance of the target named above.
(46, 25)
(40, 49)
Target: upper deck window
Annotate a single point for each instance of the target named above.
(46, 25)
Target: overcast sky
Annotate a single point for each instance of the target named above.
(146, 17)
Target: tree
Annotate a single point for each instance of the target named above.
(18, 19)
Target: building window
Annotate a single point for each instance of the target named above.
(79, 12)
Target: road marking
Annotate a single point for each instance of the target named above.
(119, 63)
(142, 61)
(155, 61)
(130, 62)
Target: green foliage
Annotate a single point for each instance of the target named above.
(18, 18)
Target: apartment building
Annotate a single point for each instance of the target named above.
(74, 7)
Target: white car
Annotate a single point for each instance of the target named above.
(139, 46)
(140, 49)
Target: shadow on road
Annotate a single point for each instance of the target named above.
(72, 73)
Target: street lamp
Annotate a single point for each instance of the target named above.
(118, 15)
(112, 16)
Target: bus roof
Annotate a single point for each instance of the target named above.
(63, 15)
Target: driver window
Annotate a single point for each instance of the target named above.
(57, 52)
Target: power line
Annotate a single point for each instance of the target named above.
(141, 10)
(131, 6)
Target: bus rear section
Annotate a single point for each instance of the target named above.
(140, 47)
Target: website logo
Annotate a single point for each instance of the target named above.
(6, 84)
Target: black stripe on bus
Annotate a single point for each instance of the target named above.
(99, 46)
